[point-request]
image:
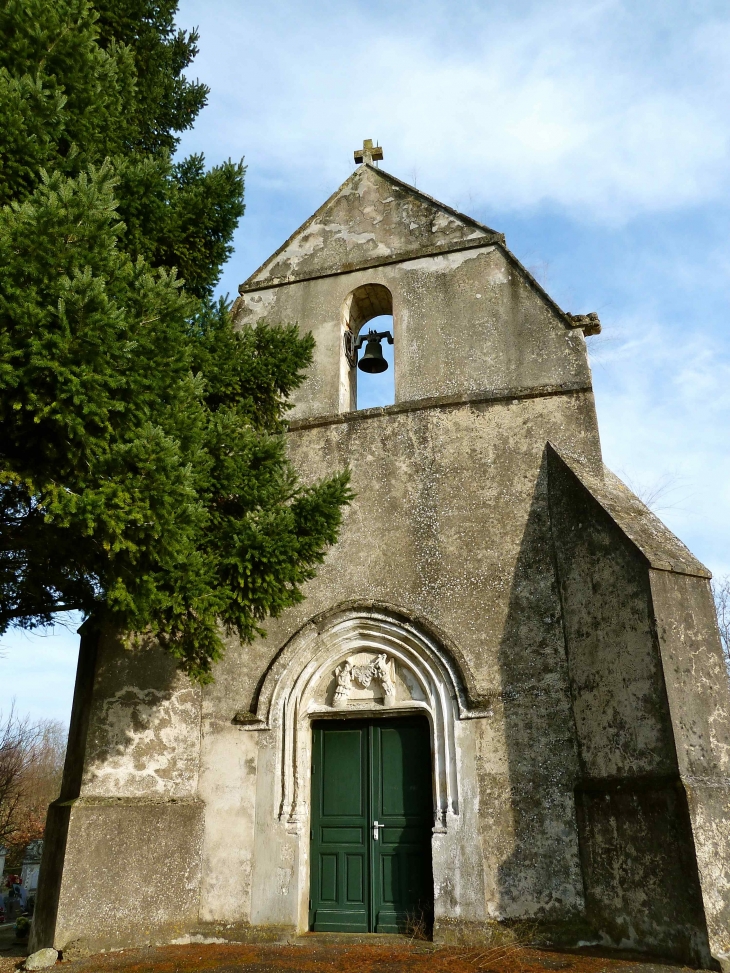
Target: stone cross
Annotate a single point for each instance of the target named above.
(368, 152)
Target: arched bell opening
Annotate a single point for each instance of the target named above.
(367, 374)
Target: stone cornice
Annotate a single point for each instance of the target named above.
(440, 402)
(399, 258)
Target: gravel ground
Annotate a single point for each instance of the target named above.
(317, 954)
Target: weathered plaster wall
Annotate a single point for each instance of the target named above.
(461, 904)
(695, 680)
(279, 857)
(129, 823)
(619, 701)
(442, 546)
(699, 702)
(694, 672)
(145, 726)
(132, 874)
(639, 868)
(372, 217)
(227, 786)
(474, 558)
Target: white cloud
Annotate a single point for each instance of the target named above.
(604, 108)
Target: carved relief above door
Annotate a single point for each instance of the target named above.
(372, 679)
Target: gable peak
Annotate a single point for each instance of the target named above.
(372, 218)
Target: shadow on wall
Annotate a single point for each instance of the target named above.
(620, 868)
(530, 792)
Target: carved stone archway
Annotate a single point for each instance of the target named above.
(359, 662)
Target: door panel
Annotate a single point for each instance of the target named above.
(356, 879)
(339, 851)
(364, 771)
(328, 872)
(403, 803)
(343, 759)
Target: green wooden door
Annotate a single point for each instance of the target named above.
(402, 804)
(365, 772)
(340, 820)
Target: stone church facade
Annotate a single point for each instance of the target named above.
(503, 698)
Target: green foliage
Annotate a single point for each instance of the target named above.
(143, 475)
(82, 83)
(167, 102)
(180, 215)
(62, 97)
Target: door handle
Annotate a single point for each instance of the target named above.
(375, 829)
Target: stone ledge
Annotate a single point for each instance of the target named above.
(123, 800)
(440, 402)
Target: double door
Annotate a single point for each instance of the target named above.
(372, 818)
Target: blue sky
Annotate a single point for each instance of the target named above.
(595, 135)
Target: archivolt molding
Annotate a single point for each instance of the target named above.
(410, 672)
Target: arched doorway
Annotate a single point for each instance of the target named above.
(315, 679)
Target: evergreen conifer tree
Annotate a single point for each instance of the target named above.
(143, 475)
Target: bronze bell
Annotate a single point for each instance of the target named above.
(373, 361)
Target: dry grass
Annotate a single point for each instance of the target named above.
(508, 956)
(508, 947)
(419, 927)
